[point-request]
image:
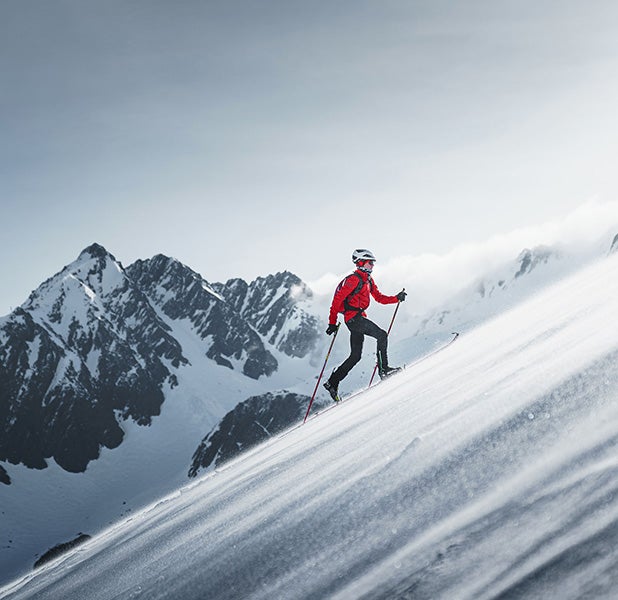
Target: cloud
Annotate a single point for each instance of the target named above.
(430, 279)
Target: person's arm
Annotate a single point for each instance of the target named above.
(383, 299)
(345, 288)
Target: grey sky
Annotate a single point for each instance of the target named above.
(249, 137)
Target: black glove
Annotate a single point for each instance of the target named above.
(332, 328)
(401, 296)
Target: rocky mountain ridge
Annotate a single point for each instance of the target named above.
(275, 307)
(93, 347)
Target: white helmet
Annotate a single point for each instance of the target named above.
(362, 254)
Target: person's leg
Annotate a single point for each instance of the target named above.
(372, 330)
(360, 327)
(356, 351)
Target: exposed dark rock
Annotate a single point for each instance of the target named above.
(4, 476)
(251, 422)
(61, 549)
(183, 294)
(271, 305)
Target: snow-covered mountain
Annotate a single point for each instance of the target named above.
(183, 296)
(488, 470)
(96, 345)
(277, 306)
(86, 351)
(496, 291)
(113, 378)
(500, 289)
(110, 377)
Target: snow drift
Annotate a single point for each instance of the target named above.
(488, 470)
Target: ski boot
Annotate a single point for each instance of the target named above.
(387, 371)
(332, 390)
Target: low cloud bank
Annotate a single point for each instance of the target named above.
(430, 278)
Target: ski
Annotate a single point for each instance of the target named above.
(423, 358)
(344, 399)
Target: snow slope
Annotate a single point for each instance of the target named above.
(44, 507)
(490, 469)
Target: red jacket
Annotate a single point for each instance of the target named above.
(359, 300)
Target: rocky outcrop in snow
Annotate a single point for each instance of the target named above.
(250, 423)
(4, 476)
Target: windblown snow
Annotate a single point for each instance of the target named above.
(489, 469)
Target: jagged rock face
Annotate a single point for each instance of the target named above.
(84, 351)
(250, 423)
(274, 306)
(94, 345)
(614, 247)
(183, 295)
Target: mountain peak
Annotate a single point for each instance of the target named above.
(95, 251)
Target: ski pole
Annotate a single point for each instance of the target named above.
(387, 334)
(321, 372)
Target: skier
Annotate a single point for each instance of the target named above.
(352, 298)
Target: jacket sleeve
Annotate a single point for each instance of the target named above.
(380, 297)
(344, 289)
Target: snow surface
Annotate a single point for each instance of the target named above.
(488, 470)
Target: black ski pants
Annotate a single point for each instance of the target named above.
(359, 327)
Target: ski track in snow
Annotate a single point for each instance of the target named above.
(489, 470)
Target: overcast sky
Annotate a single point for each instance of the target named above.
(249, 137)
